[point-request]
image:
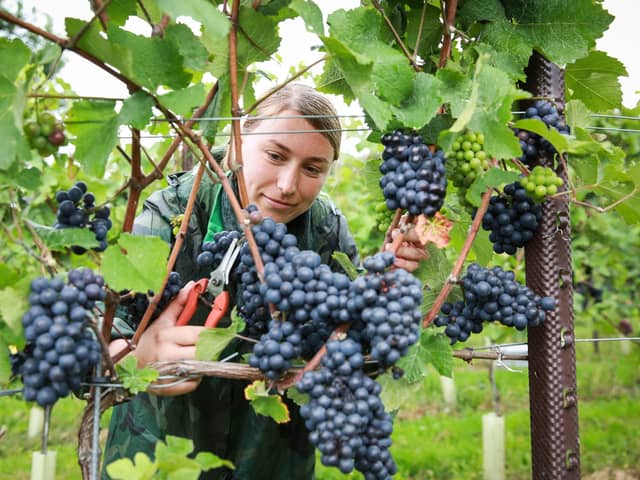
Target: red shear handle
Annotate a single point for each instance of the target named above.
(218, 309)
(192, 301)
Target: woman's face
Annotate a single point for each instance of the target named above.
(284, 172)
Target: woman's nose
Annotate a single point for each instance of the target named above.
(288, 180)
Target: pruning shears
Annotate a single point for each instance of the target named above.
(214, 287)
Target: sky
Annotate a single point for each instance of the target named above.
(619, 42)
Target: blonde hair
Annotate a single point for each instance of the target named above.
(307, 101)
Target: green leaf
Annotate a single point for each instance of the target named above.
(311, 14)
(11, 139)
(558, 140)
(265, 404)
(182, 102)
(212, 341)
(5, 364)
(219, 108)
(137, 263)
(8, 276)
(562, 31)
(577, 115)
(422, 105)
(61, 239)
(196, 56)
(119, 11)
(208, 460)
(151, 62)
(358, 77)
(215, 25)
(95, 124)
(432, 349)
(484, 105)
(346, 264)
(135, 379)
(297, 396)
(136, 110)
(125, 469)
(15, 55)
(594, 80)
(13, 304)
(398, 393)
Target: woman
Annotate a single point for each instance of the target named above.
(288, 150)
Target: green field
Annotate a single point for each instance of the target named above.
(430, 441)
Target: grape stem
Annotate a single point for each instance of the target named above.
(457, 268)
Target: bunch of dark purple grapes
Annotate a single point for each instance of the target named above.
(61, 351)
(413, 178)
(76, 208)
(532, 144)
(384, 308)
(212, 251)
(136, 303)
(492, 295)
(345, 416)
(512, 218)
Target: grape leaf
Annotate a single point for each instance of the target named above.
(29, 178)
(311, 14)
(15, 55)
(422, 105)
(95, 124)
(297, 396)
(5, 364)
(141, 468)
(434, 230)
(215, 25)
(136, 110)
(13, 304)
(195, 55)
(137, 263)
(432, 349)
(135, 379)
(562, 31)
(119, 11)
(182, 102)
(265, 404)
(557, 139)
(357, 74)
(577, 115)
(397, 393)
(346, 264)
(594, 80)
(212, 341)
(8, 275)
(150, 62)
(484, 106)
(61, 239)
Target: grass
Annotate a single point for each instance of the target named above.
(430, 441)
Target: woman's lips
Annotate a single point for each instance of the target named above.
(278, 204)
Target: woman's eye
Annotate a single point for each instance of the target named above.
(275, 156)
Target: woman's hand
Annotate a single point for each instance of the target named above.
(163, 341)
(410, 252)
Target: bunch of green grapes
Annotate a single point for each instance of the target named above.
(383, 216)
(541, 183)
(45, 134)
(468, 159)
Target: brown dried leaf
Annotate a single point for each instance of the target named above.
(434, 230)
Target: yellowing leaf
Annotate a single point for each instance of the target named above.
(265, 404)
(434, 230)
